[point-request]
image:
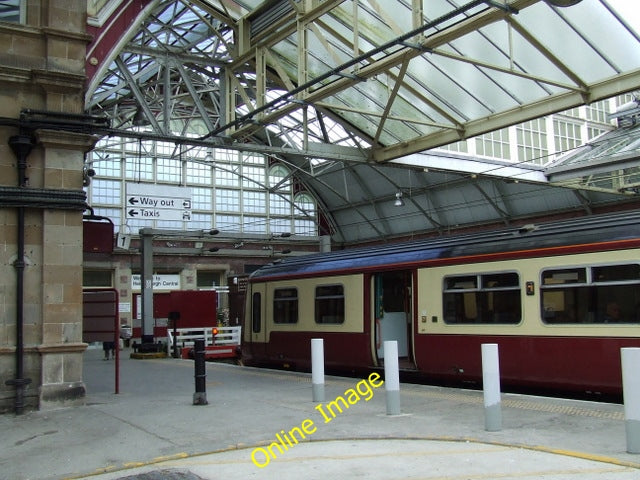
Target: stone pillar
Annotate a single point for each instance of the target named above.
(42, 65)
(61, 346)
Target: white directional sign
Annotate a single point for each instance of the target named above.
(158, 202)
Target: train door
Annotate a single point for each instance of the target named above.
(256, 326)
(393, 301)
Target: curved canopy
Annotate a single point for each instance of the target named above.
(354, 96)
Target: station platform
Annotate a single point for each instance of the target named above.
(152, 431)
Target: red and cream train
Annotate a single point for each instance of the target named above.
(560, 299)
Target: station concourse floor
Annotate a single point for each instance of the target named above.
(152, 431)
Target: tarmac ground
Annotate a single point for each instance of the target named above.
(261, 423)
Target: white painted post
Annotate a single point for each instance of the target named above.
(491, 387)
(631, 396)
(317, 369)
(392, 377)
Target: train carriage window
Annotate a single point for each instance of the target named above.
(256, 316)
(616, 273)
(330, 304)
(285, 305)
(491, 298)
(591, 295)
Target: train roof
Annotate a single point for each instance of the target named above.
(577, 231)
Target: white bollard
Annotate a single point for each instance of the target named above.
(317, 369)
(491, 387)
(392, 377)
(631, 396)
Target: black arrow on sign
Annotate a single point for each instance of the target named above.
(133, 200)
(133, 213)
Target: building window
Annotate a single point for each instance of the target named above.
(10, 11)
(253, 177)
(201, 199)
(254, 201)
(494, 144)
(460, 147)
(490, 298)
(227, 200)
(139, 168)
(254, 224)
(598, 111)
(227, 175)
(97, 278)
(600, 294)
(285, 305)
(228, 223)
(112, 214)
(279, 204)
(256, 312)
(169, 170)
(280, 225)
(566, 135)
(330, 304)
(207, 279)
(228, 187)
(304, 227)
(198, 173)
(279, 178)
(532, 141)
(304, 205)
(106, 192)
(107, 167)
(200, 221)
(593, 132)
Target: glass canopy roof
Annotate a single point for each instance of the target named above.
(329, 86)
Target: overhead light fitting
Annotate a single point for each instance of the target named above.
(563, 3)
(399, 201)
(140, 119)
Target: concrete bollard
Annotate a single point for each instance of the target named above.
(200, 395)
(491, 387)
(392, 377)
(631, 395)
(317, 369)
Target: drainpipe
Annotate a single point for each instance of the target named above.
(21, 146)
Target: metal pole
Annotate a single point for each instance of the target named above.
(631, 396)
(21, 146)
(147, 286)
(174, 317)
(200, 395)
(491, 387)
(392, 377)
(317, 369)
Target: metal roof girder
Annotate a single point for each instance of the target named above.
(598, 91)
(391, 100)
(460, 164)
(547, 54)
(193, 93)
(381, 65)
(593, 167)
(500, 210)
(138, 95)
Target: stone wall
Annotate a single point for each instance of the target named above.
(42, 68)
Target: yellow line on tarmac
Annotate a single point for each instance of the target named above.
(537, 448)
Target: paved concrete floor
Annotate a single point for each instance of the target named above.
(151, 430)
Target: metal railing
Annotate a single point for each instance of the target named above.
(184, 337)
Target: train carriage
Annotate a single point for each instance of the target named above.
(560, 299)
